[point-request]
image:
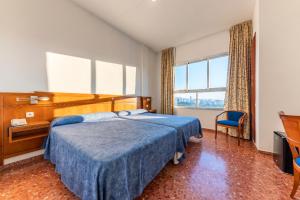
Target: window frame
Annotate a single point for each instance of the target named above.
(197, 91)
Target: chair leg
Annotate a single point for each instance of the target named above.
(243, 130)
(296, 183)
(226, 131)
(216, 131)
(239, 135)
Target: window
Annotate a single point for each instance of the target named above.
(180, 81)
(186, 99)
(197, 75)
(201, 84)
(218, 72)
(211, 100)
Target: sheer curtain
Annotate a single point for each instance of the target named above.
(238, 88)
(167, 84)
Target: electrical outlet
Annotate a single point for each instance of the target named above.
(29, 114)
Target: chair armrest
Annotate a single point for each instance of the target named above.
(242, 119)
(220, 115)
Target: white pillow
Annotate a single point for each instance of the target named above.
(136, 112)
(99, 116)
(123, 113)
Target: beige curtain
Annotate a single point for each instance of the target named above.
(237, 95)
(167, 63)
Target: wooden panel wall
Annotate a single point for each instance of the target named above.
(15, 110)
(127, 104)
(1, 130)
(60, 104)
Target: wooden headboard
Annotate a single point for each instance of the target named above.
(15, 105)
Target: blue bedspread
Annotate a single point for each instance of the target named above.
(185, 126)
(112, 159)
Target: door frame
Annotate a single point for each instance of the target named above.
(253, 90)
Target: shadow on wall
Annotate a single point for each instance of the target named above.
(81, 75)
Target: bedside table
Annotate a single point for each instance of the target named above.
(152, 111)
(28, 132)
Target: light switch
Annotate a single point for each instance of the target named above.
(29, 114)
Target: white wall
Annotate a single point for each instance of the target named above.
(204, 47)
(29, 29)
(206, 117)
(158, 83)
(151, 77)
(196, 50)
(279, 66)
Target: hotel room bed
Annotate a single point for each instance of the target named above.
(186, 126)
(110, 159)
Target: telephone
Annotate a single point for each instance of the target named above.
(18, 122)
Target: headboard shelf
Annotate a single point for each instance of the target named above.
(50, 105)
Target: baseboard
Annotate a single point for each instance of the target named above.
(23, 157)
(21, 163)
(265, 152)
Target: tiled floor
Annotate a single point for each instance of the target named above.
(212, 170)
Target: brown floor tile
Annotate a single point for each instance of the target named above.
(212, 170)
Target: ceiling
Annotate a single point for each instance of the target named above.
(167, 23)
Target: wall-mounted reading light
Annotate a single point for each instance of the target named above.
(33, 99)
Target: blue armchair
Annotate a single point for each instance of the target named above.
(234, 119)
